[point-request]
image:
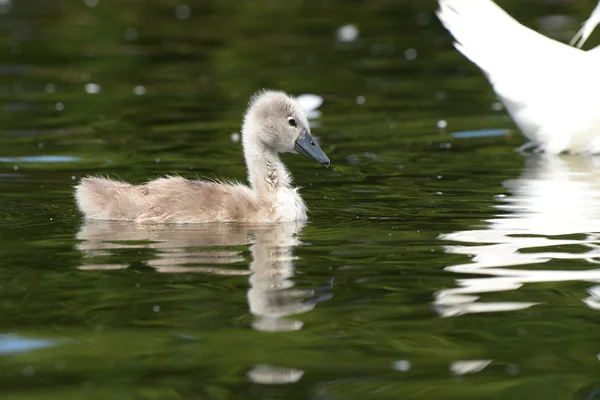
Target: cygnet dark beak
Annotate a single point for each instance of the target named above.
(308, 146)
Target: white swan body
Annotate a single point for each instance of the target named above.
(550, 89)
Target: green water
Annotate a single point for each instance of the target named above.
(432, 266)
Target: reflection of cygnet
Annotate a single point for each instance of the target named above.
(195, 248)
(205, 248)
(554, 197)
(176, 246)
(270, 296)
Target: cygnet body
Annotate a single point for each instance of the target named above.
(550, 89)
(274, 123)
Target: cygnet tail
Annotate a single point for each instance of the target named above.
(97, 198)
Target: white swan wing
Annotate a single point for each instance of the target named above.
(588, 27)
(548, 87)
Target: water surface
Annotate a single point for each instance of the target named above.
(438, 263)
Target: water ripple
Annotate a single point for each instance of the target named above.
(552, 214)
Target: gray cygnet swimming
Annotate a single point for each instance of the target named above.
(274, 123)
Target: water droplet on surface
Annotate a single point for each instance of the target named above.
(183, 11)
(50, 88)
(131, 34)
(235, 137)
(512, 369)
(92, 88)
(139, 90)
(410, 54)
(442, 124)
(464, 367)
(59, 106)
(5, 6)
(309, 102)
(347, 33)
(156, 308)
(360, 100)
(401, 365)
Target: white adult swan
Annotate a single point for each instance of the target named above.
(551, 90)
(274, 123)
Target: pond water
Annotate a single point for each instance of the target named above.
(438, 263)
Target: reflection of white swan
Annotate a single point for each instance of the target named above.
(208, 249)
(555, 202)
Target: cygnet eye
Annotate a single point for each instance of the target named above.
(292, 121)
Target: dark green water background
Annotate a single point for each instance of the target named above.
(432, 267)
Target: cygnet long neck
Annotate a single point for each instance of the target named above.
(266, 172)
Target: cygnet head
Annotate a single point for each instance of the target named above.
(276, 121)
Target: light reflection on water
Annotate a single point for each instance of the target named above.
(12, 344)
(38, 159)
(272, 298)
(555, 202)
